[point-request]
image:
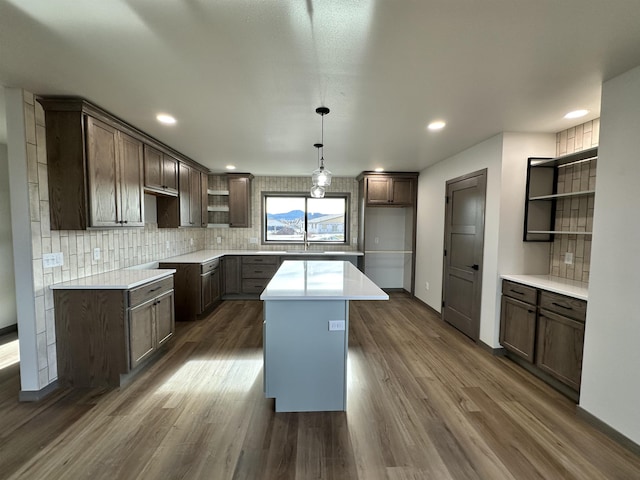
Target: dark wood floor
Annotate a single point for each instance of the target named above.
(423, 403)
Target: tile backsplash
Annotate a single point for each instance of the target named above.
(575, 214)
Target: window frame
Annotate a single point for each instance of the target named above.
(347, 218)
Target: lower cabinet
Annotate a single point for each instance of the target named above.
(104, 335)
(197, 287)
(232, 275)
(544, 329)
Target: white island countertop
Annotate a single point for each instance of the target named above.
(321, 280)
(563, 286)
(115, 280)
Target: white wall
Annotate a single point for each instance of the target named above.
(8, 315)
(611, 374)
(505, 157)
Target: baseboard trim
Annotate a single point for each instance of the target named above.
(429, 307)
(37, 395)
(545, 377)
(609, 431)
(9, 329)
(498, 352)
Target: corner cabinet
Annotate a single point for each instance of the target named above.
(229, 205)
(545, 189)
(389, 189)
(104, 336)
(95, 170)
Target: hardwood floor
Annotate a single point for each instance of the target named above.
(424, 402)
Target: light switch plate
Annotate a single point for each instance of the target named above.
(96, 253)
(336, 325)
(568, 258)
(50, 260)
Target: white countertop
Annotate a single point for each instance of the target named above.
(321, 280)
(202, 256)
(563, 286)
(115, 280)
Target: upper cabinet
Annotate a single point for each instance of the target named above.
(160, 172)
(550, 208)
(239, 199)
(99, 168)
(389, 189)
(95, 171)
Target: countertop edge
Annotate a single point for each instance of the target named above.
(206, 257)
(570, 288)
(82, 283)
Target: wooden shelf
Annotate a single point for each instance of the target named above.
(217, 225)
(566, 160)
(563, 195)
(221, 208)
(218, 192)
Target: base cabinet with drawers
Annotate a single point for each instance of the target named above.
(544, 329)
(197, 287)
(104, 335)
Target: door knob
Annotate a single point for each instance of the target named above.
(474, 266)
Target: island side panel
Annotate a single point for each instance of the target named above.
(305, 363)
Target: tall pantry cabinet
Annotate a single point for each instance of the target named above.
(387, 228)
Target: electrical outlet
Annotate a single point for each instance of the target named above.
(426, 285)
(191, 242)
(568, 258)
(336, 325)
(354, 240)
(96, 254)
(168, 245)
(50, 260)
(218, 240)
(253, 239)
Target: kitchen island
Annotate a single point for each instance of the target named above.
(305, 333)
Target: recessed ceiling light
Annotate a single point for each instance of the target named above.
(166, 119)
(437, 125)
(379, 169)
(576, 114)
(230, 167)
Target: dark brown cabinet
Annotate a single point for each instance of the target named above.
(518, 320)
(544, 329)
(239, 200)
(190, 197)
(198, 287)
(389, 190)
(103, 336)
(160, 172)
(95, 170)
(232, 275)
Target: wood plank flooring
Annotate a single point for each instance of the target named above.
(424, 402)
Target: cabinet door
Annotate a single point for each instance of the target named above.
(170, 174)
(206, 291)
(239, 202)
(518, 327)
(215, 285)
(141, 333)
(164, 318)
(231, 269)
(378, 191)
(152, 168)
(185, 195)
(559, 351)
(195, 207)
(402, 191)
(102, 173)
(131, 177)
(204, 199)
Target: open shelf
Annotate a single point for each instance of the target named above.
(218, 192)
(558, 232)
(564, 195)
(566, 160)
(221, 208)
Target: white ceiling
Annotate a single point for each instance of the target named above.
(244, 77)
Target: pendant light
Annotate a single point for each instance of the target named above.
(321, 176)
(316, 190)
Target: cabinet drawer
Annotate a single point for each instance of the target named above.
(210, 265)
(254, 285)
(521, 292)
(258, 271)
(148, 291)
(563, 305)
(260, 259)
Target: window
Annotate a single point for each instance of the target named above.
(288, 217)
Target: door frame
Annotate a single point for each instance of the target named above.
(483, 173)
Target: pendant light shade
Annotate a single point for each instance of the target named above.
(317, 191)
(321, 176)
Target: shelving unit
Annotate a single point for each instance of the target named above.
(542, 195)
(218, 212)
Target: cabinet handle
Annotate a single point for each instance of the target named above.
(515, 291)
(125, 221)
(474, 267)
(531, 311)
(561, 306)
(154, 289)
